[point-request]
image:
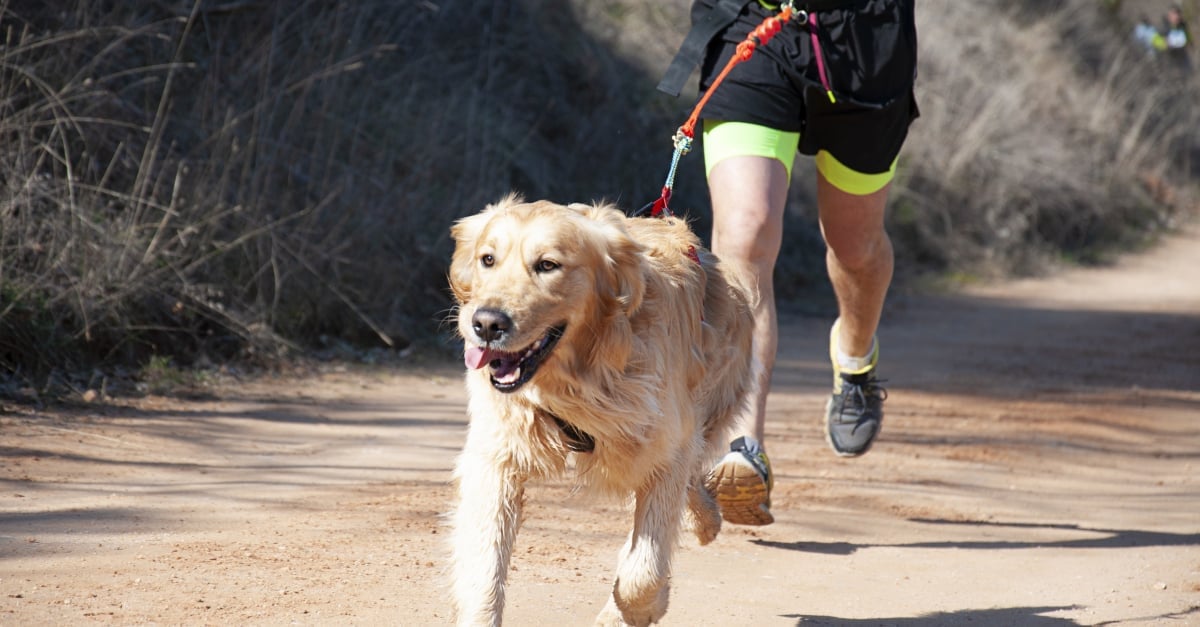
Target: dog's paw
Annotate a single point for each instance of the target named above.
(610, 616)
(628, 607)
(703, 515)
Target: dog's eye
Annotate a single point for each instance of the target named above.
(546, 265)
(487, 261)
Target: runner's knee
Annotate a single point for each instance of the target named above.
(858, 250)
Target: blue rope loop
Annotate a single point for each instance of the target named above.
(683, 145)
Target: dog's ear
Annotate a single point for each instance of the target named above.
(619, 268)
(466, 233)
(624, 257)
(462, 262)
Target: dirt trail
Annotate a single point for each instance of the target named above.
(1039, 466)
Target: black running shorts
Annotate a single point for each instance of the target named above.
(860, 112)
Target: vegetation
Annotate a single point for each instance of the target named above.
(186, 182)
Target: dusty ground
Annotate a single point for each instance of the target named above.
(1039, 466)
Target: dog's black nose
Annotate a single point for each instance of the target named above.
(490, 325)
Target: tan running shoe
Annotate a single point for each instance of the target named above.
(742, 482)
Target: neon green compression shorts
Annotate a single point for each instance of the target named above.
(743, 139)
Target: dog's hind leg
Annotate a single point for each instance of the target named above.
(642, 586)
(484, 528)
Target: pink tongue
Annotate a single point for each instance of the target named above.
(476, 357)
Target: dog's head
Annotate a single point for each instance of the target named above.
(541, 285)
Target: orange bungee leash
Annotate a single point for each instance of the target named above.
(686, 134)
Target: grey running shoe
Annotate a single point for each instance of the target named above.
(854, 413)
(742, 482)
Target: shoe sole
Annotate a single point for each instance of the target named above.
(741, 493)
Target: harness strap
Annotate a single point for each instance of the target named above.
(723, 13)
(821, 5)
(694, 45)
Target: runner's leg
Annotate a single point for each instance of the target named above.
(749, 194)
(859, 260)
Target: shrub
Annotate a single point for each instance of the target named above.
(193, 181)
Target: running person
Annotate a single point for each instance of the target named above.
(835, 83)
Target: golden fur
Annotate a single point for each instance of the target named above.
(652, 362)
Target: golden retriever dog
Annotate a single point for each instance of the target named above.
(603, 343)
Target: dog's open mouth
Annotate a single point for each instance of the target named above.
(512, 370)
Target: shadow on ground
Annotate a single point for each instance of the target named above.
(1096, 539)
(993, 617)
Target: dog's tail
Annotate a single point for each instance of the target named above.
(741, 280)
(732, 369)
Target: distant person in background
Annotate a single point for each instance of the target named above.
(1171, 41)
(1176, 40)
(1146, 34)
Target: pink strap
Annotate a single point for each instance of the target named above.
(816, 45)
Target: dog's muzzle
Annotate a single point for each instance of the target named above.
(511, 370)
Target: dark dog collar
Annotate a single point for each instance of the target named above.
(576, 439)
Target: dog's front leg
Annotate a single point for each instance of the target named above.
(484, 528)
(642, 587)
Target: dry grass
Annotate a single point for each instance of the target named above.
(1037, 128)
(216, 180)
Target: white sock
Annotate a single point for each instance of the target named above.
(849, 364)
